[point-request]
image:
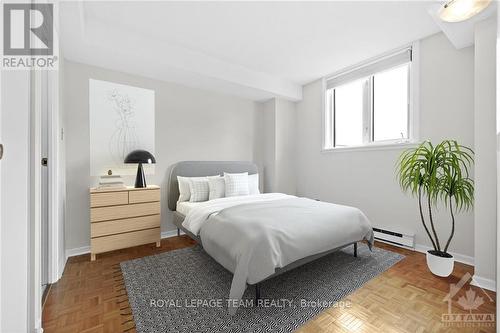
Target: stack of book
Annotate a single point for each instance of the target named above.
(111, 182)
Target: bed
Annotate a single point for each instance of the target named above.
(258, 237)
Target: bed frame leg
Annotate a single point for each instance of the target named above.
(355, 250)
(257, 291)
(178, 232)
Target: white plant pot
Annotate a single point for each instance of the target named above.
(440, 266)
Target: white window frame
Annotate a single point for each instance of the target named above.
(328, 126)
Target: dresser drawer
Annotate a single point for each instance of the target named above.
(144, 196)
(121, 212)
(114, 242)
(120, 226)
(108, 199)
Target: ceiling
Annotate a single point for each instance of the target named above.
(256, 50)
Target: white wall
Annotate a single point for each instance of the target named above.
(366, 179)
(485, 147)
(277, 127)
(286, 130)
(191, 124)
(268, 132)
(15, 218)
(60, 173)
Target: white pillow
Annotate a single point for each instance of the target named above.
(184, 190)
(253, 184)
(199, 189)
(236, 184)
(217, 188)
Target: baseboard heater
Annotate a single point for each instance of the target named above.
(406, 240)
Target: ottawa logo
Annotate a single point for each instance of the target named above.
(470, 302)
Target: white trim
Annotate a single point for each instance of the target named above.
(414, 116)
(39, 328)
(366, 69)
(372, 147)
(369, 61)
(498, 159)
(483, 283)
(413, 101)
(86, 249)
(323, 113)
(468, 260)
(35, 186)
(1, 141)
(393, 244)
(62, 265)
(77, 251)
(53, 178)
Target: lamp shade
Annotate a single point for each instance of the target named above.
(140, 156)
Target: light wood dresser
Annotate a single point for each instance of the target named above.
(121, 218)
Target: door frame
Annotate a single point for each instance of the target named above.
(55, 250)
(34, 237)
(56, 187)
(1, 141)
(53, 165)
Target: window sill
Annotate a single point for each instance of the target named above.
(372, 147)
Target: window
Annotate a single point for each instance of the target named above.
(370, 104)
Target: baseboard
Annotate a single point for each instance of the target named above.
(483, 283)
(468, 260)
(39, 328)
(62, 265)
(77, 251)
(86, 249)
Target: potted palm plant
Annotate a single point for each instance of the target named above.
(438, 174)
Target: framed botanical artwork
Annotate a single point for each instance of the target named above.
(122, 119)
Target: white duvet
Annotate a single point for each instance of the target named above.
(252, 236)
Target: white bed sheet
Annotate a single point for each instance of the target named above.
(197, 217)
(184, 207)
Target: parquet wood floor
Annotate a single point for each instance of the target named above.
(90, 297)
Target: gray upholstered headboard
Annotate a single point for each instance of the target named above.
(201, 169)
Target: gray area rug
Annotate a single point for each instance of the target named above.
(185, 291)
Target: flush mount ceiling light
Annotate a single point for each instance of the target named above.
(461, 10)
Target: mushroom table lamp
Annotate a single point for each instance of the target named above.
(140, 156)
